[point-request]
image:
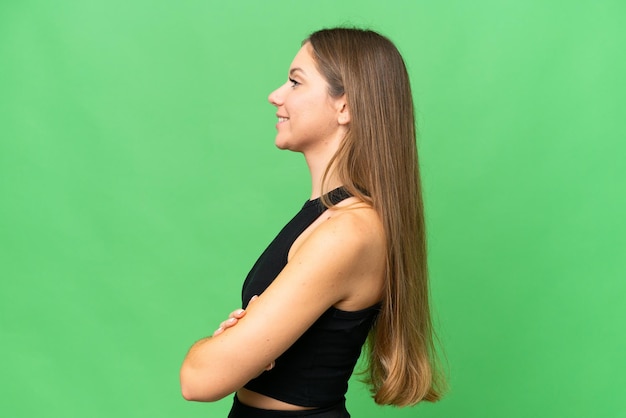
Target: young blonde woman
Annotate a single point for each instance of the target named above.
(350, 264)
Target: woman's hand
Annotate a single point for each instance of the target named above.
(232, 320)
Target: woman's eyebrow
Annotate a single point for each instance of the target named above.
(293, 70)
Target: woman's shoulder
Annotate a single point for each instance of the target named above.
(354, 233)
(353, 223)
(355, 216)
(350, 225)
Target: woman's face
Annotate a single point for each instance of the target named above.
(308, 118)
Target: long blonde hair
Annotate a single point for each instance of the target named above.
(377, 162)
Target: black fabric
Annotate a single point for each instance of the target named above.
(314, 371)
(274, 258)
(240, 410)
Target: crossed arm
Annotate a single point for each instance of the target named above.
(325, 270)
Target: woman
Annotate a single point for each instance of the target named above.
(352, 262)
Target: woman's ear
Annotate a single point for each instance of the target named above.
(343, 116)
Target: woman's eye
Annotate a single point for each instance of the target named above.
(293, 82)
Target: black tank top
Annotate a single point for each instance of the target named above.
(315, 370)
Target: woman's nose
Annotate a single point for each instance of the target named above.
(276, 97)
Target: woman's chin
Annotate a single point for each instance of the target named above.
(284, 145)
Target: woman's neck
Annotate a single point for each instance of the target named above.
(317, 168)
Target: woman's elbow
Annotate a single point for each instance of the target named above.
(192, 394)
(199, 389)
(198, 396)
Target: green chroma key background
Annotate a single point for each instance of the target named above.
(139, 182)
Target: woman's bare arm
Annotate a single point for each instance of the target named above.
(337, 257)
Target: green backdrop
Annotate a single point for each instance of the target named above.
(139, 182)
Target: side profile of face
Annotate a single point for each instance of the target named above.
(309, 119)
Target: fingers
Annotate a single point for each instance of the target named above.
(238, 314)
(225, 325)
(228, 323)
(270, 366)
(234, 316)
